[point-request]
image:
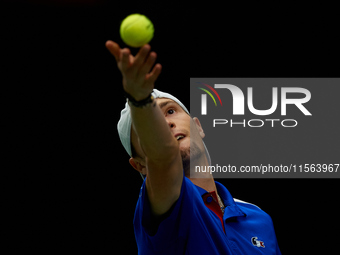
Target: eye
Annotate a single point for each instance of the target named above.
(170, 111)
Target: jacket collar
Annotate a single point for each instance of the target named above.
(231, 209)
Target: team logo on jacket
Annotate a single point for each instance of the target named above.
(256, 242)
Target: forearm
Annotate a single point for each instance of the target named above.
(162, 159)
(155, 137)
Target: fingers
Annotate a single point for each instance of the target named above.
(125, 59)
(143, 62)
(138, 66)
(150, 61)
(122, 56)
(142, 55)
(114, 49)
(153, 75)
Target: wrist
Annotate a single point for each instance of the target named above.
(139, 103)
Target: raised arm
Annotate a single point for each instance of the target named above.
(162, 155)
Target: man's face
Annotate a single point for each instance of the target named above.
(189, 140)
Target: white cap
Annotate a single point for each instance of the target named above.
(125, 121)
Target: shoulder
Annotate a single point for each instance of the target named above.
(243, 203)
(159, 236)
(186, 187)
(184, 201)
(254, 212)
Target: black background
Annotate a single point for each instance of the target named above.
(70, 188)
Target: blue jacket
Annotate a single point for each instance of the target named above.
(192, 228)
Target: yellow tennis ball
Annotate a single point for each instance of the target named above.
(136, 30)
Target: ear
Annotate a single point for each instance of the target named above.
(138, 165)
(199, 127)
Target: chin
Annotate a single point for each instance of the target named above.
(185, 153)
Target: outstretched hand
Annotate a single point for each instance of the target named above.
(138, 78)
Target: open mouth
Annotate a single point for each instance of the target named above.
(179, 137)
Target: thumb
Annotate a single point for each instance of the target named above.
(114, 49)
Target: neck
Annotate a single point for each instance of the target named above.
(204, 180)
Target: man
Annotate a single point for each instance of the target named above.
(178, 213)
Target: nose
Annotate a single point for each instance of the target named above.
(171, 124)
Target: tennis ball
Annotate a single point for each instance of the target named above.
(136, 30)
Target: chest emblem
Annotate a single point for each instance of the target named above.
(256, 242)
